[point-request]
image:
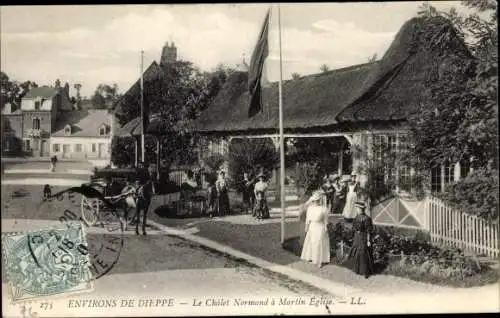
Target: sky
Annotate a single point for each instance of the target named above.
(101, 44)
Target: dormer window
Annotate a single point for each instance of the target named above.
(104, 130)
(67, 130)
(38, 104)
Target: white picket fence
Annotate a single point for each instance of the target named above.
(454, 228)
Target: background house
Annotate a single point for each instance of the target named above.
(12, 128)
(32, 123)
(83, 135)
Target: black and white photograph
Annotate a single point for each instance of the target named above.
(249, 159)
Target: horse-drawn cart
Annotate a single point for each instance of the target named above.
(118, 189)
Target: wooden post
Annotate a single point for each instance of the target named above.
(136, 151)
(341, 160)
(276, 173)
(158, 156)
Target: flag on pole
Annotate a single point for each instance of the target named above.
(259, 56)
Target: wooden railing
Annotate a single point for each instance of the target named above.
(454, 228)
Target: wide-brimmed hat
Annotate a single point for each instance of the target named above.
(317, 195)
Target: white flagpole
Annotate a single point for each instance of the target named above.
(142, 110)
(281, 138)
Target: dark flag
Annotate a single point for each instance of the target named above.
(259, 56)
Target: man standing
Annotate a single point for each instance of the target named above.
(248, 194)
(53, 162)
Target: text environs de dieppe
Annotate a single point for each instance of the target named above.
(316, 301)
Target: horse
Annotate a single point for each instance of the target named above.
(123, 195)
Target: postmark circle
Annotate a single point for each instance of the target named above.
(104, 238)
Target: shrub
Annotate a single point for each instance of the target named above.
(251, 155)
(476, 194)
(123, 151)
(308, 177)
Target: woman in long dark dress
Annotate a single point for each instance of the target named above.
(222, 195)
(361, 254)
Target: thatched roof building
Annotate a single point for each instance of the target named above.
(387, 90)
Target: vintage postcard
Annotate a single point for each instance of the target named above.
(249, 159)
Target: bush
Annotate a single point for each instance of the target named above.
(251, 155)
(309, 177)
(123, 151)
(476, 194)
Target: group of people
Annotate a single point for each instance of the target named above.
(316, 247)
(341, 195)
(254, 195)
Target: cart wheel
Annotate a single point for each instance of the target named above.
(90, 210)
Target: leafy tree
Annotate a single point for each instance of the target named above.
(373, 58)
(176, 95)
(295, 76)
(459, 119)
(105, 95)
(251, 155)
(324, 68)
(13, 91)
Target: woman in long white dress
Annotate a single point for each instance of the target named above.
(349, 212)
(316, 247)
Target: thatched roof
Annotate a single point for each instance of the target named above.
(397, 84)
(309, 101)
(385, 90)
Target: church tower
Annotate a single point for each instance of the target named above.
(168, 54)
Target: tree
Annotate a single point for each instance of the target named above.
(105, 95)
(295, 76)
(176, 96)
(324, 68)
(251, 155)
(13, 91)
(459, 119)
(373, 58)
(78, 100)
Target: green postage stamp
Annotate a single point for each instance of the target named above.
(47, 262)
